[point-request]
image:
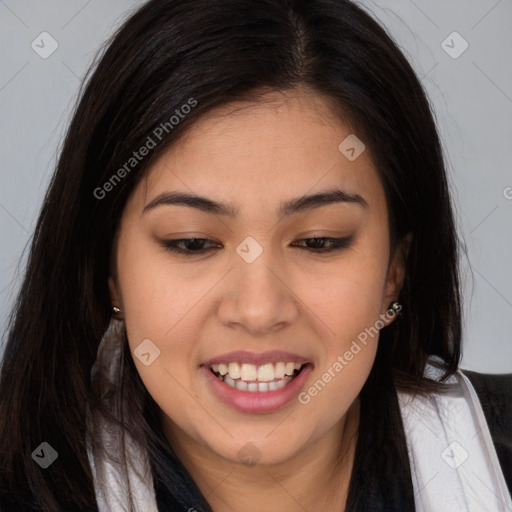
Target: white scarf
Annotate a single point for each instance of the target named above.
(454, 465)
(453, 462)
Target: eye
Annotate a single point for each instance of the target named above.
(336, 244)
(191, 246)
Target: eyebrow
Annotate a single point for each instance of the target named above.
(286, 209)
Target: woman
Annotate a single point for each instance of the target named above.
(243, 292)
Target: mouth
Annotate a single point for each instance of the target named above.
(257, 383)
(253, 378)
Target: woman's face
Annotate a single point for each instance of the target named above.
(258, 298)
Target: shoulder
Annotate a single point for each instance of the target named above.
(495, 396)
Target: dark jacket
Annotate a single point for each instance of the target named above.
(495, 394)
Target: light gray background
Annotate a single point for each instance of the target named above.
(471, 94)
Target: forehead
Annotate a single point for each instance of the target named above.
(249, 153)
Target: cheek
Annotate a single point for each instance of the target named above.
(153, 292)
(351, 310)
(156, 310)
(348, 295)
(349, 303)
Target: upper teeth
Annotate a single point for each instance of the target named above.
(251, 373)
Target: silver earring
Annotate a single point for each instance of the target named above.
(395, 308)
(116, 310)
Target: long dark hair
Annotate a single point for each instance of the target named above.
(204, 53)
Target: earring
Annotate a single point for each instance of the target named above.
(116, 310)
(395, 308)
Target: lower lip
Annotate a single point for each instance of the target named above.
(257, 401)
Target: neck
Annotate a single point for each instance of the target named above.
(316, 478)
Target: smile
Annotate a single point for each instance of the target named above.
(253, 378)
(252, 382)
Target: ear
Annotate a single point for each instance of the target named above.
(396, 272)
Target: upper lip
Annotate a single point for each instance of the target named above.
(243, 356)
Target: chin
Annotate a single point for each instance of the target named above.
(261, 450)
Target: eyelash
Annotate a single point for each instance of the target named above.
(338, 244)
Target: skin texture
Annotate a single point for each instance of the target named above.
(254, 156)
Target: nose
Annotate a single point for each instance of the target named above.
(258, 297)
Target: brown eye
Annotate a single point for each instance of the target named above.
(317, 244)
(191, 245)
